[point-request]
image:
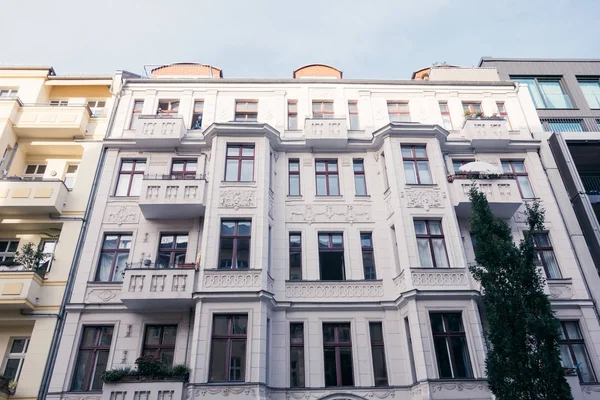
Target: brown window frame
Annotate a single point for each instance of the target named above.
(446, 114)
(448, 336)
(516, 174)
(539, 249)
(246, 113)
(323, 113)
(132, 173)
(292, 115)
(353, 110)
(503, 113)
(337, 345)
(173, 251)
(394, 108)
(415, 161)
(185, 174)
(327, 173)
(368, 251)
(158, 348)
(229, 337)
(294, 173)
(359, 173)
(116, 251)
(239, 158)
(96, 348)
(565, 340)
(472, 106)
(136, 112)
(429, 236)
(171, 103)
(293, 250)
(376, 345)
(235, 237)
(298, 345)
(331, 248)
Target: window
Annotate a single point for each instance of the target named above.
(472, 107)
(450, 345)
(171, 250)
(337, 348)
(546, 93)
(545, 254)
(503, 113)
(398, 111)
(294, 177)
(589, 87)
(292, 115)
(8, 93)
(15, 358)
(239, 165)
(359, 177)
(327, 178)
(456, 164)
(517, 168)
(113, 257)
(184, 169)
(295, 256)
(430, 244)
(297, 354)
(138, 105)
(366, 243)
(35, 172)
(97, 107)
(378, 353)
(131, 175)
(416, 165)
(386, 182)
(246, 111)
(446, 120)
(353, 115)
(228, 348)
(47, 247)
(322, 109)
(573, 351)
(168, 107)
(7, 251)
(159, 342)
(197, 115)
(92, 358)
(331, 257)
(234, 247)
(59, 103)
(562, 125)
(411, 354)
(70, 175)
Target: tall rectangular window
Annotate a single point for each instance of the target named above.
(327, 178)
(450, 345)
(411, 354)
(70, 175)
(430, 244)
(171, 250)
(168, 107)
(295, 245)
(353, 115)
(322, 109)
(337, 348)
(398, 111)
(503, 113)
(138, 105)
(92, 358)
(130, 178)
(15, 358)
(48, 246)
(184, 169)
(246, 110)
(297, 354)
(366, 244)
(416, 165)
(234, 246)
(591, 91)
(113, 257)
(198, 114)
(386, 180)
(546, 92)
(239, 165)
(331, 256)
(446, 120)
(573, 351)
(545, 254)
(517, 168)
(360, 182)
(292, 109)
(471, 107)
(294, 177)
(7, 251)
(228, 348)
(159, 342)
(378, 353)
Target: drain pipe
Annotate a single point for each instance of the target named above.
(60, 323)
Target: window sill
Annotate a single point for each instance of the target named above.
(322, 198)
(124, 198)
(294, 198)
(420, 185)
(100, 283)
(559, 280)
(365, 198)
(238, 184)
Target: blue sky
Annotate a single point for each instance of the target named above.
(258, 38)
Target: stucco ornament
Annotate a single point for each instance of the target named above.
(237, 199)
(122, 215)
(424, 198)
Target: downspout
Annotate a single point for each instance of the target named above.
(58, 330)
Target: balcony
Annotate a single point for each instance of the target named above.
(157, 131)
(165, 288)
(235, 280)
(18, 196)
(424, 279)
(333, 291)
(502, 194)
(328, 133)
(46, 121)
(19, 289)
(161, 390)
(486, 133)
(166, 198)
(591, 184)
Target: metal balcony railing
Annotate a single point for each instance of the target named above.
(147, 264)
(591, 183)
(563, 124)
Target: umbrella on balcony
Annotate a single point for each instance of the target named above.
(480, 167)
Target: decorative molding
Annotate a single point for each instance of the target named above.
(275, 156)
(122, 214)
(589, 389)
(124, 357)
(146, 237)
(228, 279)
(137, 154)
(159, 161)
(224, 391)
(232, 198)
(459, 387)
(349, 289)
(128, 330)
(388, 207)
(424, 198)
(376, 156)
(400, 283)
(79, 397)
(330, 213)
(439, 278)
(307, 162)
(101, 295)
(560, 290)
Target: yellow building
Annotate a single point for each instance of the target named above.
(51, 131)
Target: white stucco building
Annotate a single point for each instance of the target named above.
(306, 238)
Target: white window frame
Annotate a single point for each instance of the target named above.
(4, 254)
(48, 255)
(72, 175)
(95, 108)
(59, 103)
(16, 356)
(12, 92)
(36, 175)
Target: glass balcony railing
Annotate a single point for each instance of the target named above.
(591, 183)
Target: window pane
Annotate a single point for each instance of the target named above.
(506, 167)
(227, 228)
(136, 185)
(100, 367)
(519, 166)
(166, 242)
(294, 166)
(239, 324)
(297, 367)
(435, 227)
(365, 240)
(123, 185)
(120, 266)
(525, 187)
(297, 332)
(337, 240)
(333, 185)
(361, 186)
(12, 369)
(454, 322)
(406, 152)
(591, 91)
(375, 328)
(585, 369)
(294, 185)
(181, 242)
(358, 165)
(533, 90)
(220, 325)
(127, 166)
(292, 107)
(177, 167)
(218, 364)
(439, 251)
(320, 166)
(420, 227)
(324, 240)
(379, 369)
(368, 265)
(243, 253)
(328, 333)
(461, 357)
(104, 267)
(344, 333)
(424, 175)
(565, 356)
(82, 366)
(233, 151)
(226, 253)
(231, 170)
(424, 253)
(140, 166)
(152, 335)
(437, 323)
(18, 346)
(346, 366)
(420, 152)
(330, 367)
(410, 172)
(169, 335)
(572, 329)
(244, 227)
(247, 170)
(247, 151)
(443, 358)
(237, 360)
(321, 185)
(554, 95)
(354, 123)
(551, 264)
(295, 241)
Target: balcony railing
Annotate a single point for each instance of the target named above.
(148, 288)
(501, 192)
(591, 183)
(19, 289)
(32, 195)
(173, 196)
(563, 124)
(160, 130)
(328, 132)
(50, 120)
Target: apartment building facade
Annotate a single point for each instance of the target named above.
(306, 238)
(51, 132)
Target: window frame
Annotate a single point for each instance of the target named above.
(415, 160)
(589, 79)
(73, 175)
(50, 256)
(174, 250)
(230, 336)
(541, 94)
(398, 111)
(8, 254)
(185, 174)
(446, 335)
(297, 344)
(116, 251)
(58, 103)
(297, 251)
(292, 115)
(11, 92)
(15, 356)
(173, 106)
(294, 173)
(235, 237)
(136, 112)
(446, 117)
(565, 340)
(245, 114)
(133, 172)
(239, 158)
(368, 250)
(36, 176)
(538, 249)
(331, 249)
(429, 236)
(378, 344)
(353, 111)
(327, 174)
(197, 112)
(96, 348)
(158, 348)
(337, 345)
(516, 174)
(358, 174)
(323, 112)
(472, 106)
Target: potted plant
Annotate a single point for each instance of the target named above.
(12, 387)
(149, 368)
(30, 257)
(180, 372)
(115, 375)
